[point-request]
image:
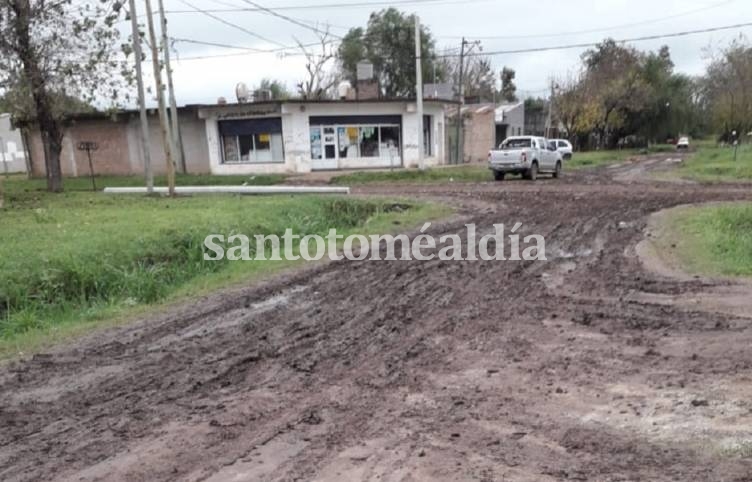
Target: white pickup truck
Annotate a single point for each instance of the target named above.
(526, 155)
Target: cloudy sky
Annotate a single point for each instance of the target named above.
(203, 73)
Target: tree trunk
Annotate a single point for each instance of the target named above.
(49, 127)
(52, 161)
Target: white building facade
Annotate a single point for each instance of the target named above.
(299, 136)
(12, 151)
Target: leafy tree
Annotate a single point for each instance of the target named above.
(49, 49)
(508, 87)
(277, 88)
(615, 88)
(726, 89)
(478, 78)
(670, 110)
(570, 103)
(388, 42)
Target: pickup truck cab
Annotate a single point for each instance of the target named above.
(526, 155)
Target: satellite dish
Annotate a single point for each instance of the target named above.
(242, 92)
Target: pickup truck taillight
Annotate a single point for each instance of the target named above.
(489, 156)
(523, 157)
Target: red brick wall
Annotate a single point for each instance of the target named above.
(112, 157)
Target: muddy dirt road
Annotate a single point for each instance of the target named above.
(585, 367)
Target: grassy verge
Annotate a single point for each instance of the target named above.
(711, 163)
(465, 173)
(711, 240)
(20, 183)
(77, 260)
(479, 172)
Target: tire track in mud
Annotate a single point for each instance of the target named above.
(405, 370)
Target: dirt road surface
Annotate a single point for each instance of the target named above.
(584, 367)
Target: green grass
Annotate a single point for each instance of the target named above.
(465, 173)
(712, 240)
(716, 164)
(18, 183)
(80, 259)
(472, 172)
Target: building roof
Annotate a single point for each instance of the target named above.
(152, 111)
(323, 101)
(502, 108)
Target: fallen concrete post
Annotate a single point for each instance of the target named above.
(234, 190)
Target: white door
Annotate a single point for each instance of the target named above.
(549, 157)
(323, 148)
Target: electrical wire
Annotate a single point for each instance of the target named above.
(291, 20)
(332, 5)
(233, 25)
(593, 44)
(595, 30)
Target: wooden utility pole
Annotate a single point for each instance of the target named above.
(549, 118)
(144, 120)
(419, 92)
(163, 121)
(458, 136)
(176, 140)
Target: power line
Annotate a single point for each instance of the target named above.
(332, 5)
(310, 22)
(596, 30)
(239, 47)
(593, 44)
(248, 50)
(233, 25)
(221, 45)
(290, 19)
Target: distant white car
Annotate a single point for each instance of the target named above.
(563, 146)
(682, 144)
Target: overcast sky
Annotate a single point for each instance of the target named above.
(517, 25)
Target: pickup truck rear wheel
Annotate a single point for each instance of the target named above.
(532, 173)
(498, 175)
(557, 172)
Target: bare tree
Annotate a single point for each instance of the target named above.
(50, 49)
(320, 78)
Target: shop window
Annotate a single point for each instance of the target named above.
(352, 141)
(316, 147)
(369, 142)
(349, 145)
(231, 149)
(390, 142)
(252, 141)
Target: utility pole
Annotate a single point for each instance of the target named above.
(458, 147)
(163, 121)
(176, 140)
(144, 120)
(419, 92)
(550, 109)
